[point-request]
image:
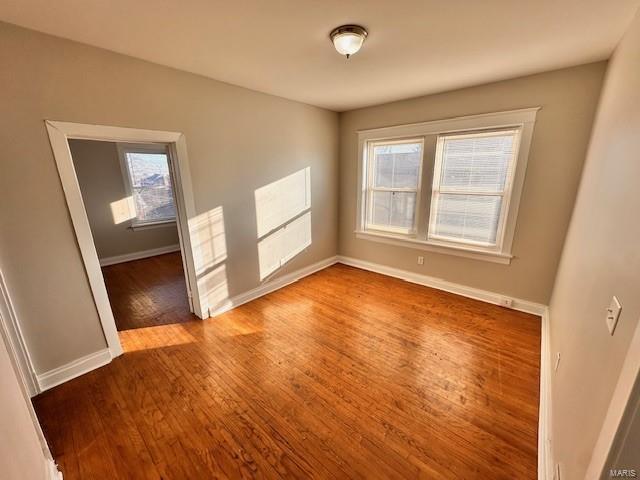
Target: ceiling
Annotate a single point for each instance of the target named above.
(281, 47)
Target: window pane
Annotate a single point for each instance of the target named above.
(152, 192)
(468, 217)
(397, 165)
(477, 163)
(394, 209)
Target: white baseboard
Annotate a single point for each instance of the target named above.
(73, 369)
(271, 286)
(440, 284)
(10, 329)
(51, 471)
(128, 257)
(545, 457)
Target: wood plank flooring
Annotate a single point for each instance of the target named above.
(147, 292)
(344, 374)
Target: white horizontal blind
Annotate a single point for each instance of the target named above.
(471, 185)
(393, 185)
(150, 184)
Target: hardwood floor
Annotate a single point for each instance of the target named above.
(148, 292)
(344, 374)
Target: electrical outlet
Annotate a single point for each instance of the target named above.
(557, 361)
(613, 313)
(420, 260)
(506, 302)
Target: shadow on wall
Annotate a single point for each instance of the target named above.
(283, 220)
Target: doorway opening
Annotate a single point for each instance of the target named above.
(130, 200)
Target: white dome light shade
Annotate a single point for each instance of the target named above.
(348, 39)
(347, 43)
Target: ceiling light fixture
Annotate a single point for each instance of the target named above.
(348, 39)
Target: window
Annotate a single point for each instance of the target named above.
(472, 178)
(148, 183)
(394, 180)
(450, 186)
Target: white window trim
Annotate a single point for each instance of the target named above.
(150, 225)
(123, 148)
(523, 119)
(371, 188)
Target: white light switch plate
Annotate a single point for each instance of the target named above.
(613, 313)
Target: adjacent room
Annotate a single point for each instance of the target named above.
(330, 239)
(127, 193)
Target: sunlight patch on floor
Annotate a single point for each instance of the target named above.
(155, 337)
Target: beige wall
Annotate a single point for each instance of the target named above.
(100, 177)
(238, 140)
(21, 454)
(625, 451)
(568, 99)
(601, 258)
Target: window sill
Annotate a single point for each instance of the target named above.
(390, 239)
(147, 226)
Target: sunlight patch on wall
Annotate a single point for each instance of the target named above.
(280, 201)
(283, 220)
(282, 245)
(208, 239)
(213, 284)
(123, 210)
(209, 247)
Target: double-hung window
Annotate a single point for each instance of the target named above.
(450, 186)
(471, 184)
(394, 185)
(147, 179)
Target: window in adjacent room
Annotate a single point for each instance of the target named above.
(451, 186)
(148, 183)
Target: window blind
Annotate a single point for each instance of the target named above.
(472, 175)
(394, 184)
